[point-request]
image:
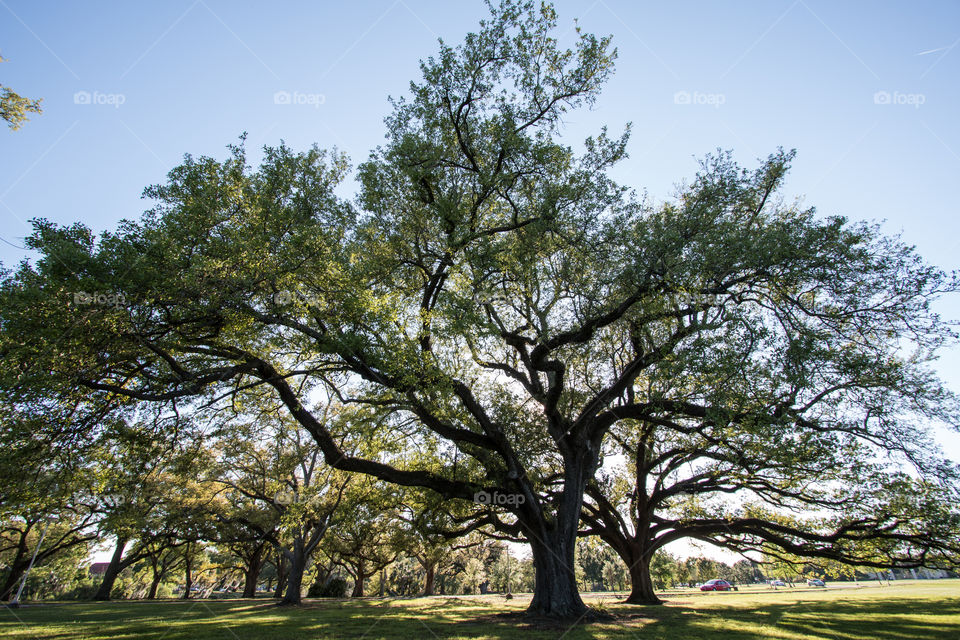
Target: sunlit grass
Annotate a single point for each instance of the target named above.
(903, 610)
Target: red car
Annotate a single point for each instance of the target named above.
(717, 585)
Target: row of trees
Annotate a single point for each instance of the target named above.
(163, 490)
(185, 566)
(493, 315)
(236, 507)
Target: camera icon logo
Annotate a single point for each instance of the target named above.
(284, 498)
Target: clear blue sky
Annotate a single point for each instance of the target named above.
(184, 76)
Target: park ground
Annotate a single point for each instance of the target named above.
(902, 610)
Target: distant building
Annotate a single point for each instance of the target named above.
(99, 568)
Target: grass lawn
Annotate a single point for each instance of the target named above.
(904, 610)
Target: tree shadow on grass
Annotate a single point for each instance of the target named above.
(848, 619)
(888, 619)
(900, 618)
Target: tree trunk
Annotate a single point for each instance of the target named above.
(154, 585)
(555, 591)
(298, 564)
(430, 579)
(187, 577)
(18, 566)
(553, 545)
(113, 570)
(251, 573)
(641, 586)
(294, 585)
(281, 575)
(159, 570)
(17, 569)
(358, 586)
(6, 592)
(250, 577)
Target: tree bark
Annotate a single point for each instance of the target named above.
(113, 570)
(281, 575)
(641, 586)
(187, 577)
(159, 569)
(294, 585)
(154, 586)
(555, 591)
(17, 568)
(250, 577)
(298, 564)
(430, 579)
(358, 584)
(635, 550)
(251, 573)
(553, 545)
(9, 585)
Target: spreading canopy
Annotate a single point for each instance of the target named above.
(492, 297)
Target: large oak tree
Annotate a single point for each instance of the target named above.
(798, 420)
(490, 298)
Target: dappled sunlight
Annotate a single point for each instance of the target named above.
(905, 610)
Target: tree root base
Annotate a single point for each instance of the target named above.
(539, 621)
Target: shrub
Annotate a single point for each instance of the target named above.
(335, 587)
